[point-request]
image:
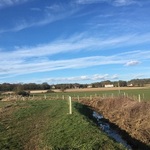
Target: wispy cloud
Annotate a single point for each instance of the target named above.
(124, 2)
(49, 15)
(77, 43)
(7, 3)
(26, 60)
(113, 2)
(20, 67)
(87, 78)
(90, 1)
(132, 63)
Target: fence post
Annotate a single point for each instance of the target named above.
(70, 105)
(139, 98)
(63, 97)
(78, 98)
(44, 96)
(124, 94)
(143, 96)
(90, 97)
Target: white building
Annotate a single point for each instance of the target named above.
(109, 85)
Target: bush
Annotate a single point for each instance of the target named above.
(23, 93)
(50, 91)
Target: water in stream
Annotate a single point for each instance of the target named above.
(110, 132)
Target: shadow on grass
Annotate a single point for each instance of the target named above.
(134, 143)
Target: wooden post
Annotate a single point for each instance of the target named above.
(70, 105)
(78, 98)
(124, 94)
(119, 88)
(63, 97)
(90, 97)
(139, 98)
(44, 96)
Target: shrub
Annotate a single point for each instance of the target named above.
(50, 91)
(23, 93)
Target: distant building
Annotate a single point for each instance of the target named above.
(89, 86)
(130, 85)
(109, 85)
(53, 87)
(76, 86)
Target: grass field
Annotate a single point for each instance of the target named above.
(131, 92)
(46, 125)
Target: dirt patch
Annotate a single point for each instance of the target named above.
(101, 89)
(129, 115)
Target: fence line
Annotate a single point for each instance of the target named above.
(139, 97)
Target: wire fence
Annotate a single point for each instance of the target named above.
(75, 96)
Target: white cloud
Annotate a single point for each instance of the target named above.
(43, 66)
(100, 77)
(75, 44)
(115, 76)
(132, 63)
(87, 78)
(26, 60)
(124, 2)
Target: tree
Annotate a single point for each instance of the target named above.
(45, 86)
(19, 90)
(63, 88)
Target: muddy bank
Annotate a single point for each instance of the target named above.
(131, 116)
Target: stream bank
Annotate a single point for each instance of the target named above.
(129, 118)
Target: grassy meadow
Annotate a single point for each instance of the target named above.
(47, 125)
(132, 93)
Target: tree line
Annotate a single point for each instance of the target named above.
(46, 86)
(29, 86)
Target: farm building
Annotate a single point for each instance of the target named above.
(109, 85)
(89, 86)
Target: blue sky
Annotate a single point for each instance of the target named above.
(68, 41)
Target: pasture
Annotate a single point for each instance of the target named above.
(41, 121)
(46, 124)
(132, 93)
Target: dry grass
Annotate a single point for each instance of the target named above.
(131, 116)
(100, 89)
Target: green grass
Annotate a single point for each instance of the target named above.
(145, 94)
(47, 125)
